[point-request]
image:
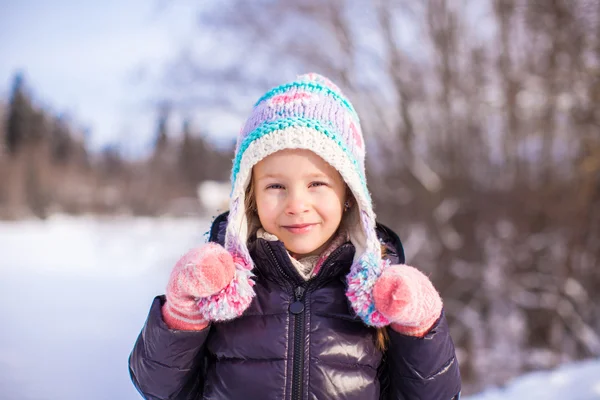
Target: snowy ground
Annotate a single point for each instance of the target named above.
(76, 293)
(580, 381)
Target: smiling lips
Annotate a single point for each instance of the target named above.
(299, 228)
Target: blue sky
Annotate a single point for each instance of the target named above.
(103, 63)
(100, 62)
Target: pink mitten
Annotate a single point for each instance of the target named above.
(407, 297)
(200, 273)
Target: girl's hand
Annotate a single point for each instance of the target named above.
(407, 297)
(200, 273)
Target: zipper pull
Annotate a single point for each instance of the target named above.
(298, 306)
(299, 292)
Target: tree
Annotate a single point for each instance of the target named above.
(62, 145)
(20, 112)
(190, 156)
(482, 141)
(162, 129)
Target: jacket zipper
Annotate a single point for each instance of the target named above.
(277, 262)
(297, 309)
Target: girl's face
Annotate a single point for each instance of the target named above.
(300, 199)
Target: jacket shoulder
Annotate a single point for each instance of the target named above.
(218, 228)
(393, 245)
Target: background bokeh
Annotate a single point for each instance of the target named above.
(482, 123)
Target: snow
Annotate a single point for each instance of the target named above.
(577, 381)
(76, 292)
(75, 296)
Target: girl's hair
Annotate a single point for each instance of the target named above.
(250, 200)
(382, 336)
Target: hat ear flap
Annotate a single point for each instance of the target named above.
(236, 235)
(368, 264)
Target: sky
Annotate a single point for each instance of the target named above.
(101, 63)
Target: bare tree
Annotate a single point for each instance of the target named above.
(482, 126)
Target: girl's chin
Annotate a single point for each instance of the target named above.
(303, 251)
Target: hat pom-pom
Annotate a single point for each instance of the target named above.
(361, 280)
(234, 299)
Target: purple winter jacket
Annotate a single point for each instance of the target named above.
(298, 340)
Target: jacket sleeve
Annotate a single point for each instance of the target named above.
(166, 363)
(423, 368)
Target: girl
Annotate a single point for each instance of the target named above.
(300, 294)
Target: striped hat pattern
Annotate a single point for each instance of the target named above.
(309, 113)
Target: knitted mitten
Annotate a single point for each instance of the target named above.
(408, 299)
(199, 274)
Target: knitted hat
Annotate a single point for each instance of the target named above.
(309, 113)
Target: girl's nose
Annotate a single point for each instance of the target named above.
(297, 203)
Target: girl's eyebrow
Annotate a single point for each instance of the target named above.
(317, 175)
(274, 176)
(281, 176)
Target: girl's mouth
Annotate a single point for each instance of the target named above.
(299, 228)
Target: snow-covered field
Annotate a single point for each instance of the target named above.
(578, 381)
(75, 293)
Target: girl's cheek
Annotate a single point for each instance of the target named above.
(329, 196)
(272, 200)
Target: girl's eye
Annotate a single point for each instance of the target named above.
(313, 184)
(275, 186)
